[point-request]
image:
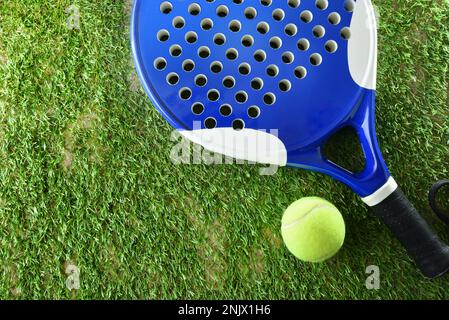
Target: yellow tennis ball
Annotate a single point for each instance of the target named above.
(313, 229)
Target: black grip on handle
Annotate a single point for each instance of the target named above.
(422, 244)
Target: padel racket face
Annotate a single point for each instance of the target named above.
(243, 69)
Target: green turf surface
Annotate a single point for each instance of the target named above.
(86, 177)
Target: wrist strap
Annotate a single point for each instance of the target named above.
(442, 213)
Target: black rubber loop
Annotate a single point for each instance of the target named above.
(444, 216)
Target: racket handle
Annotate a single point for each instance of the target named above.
(422, 244)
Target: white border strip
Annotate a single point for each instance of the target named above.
(246, 144)
(362, 46)
(381, 194)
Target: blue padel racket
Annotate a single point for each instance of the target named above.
(271, 81)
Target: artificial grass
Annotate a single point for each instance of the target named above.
(86, 176)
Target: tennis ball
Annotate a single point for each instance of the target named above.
(313, 229)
